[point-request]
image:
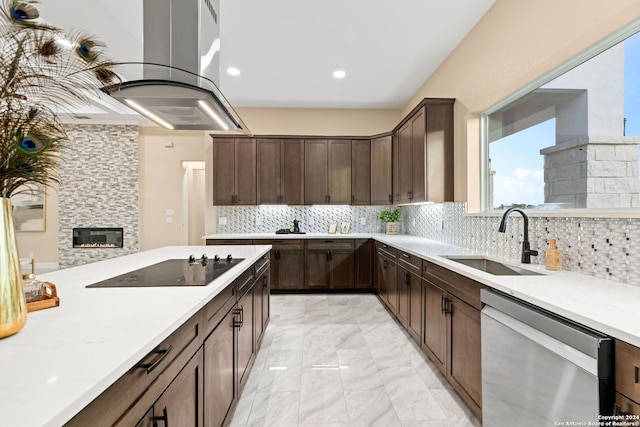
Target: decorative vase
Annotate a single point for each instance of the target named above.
(13, 306)
(392, 227)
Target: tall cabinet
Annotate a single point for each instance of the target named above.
(381, 167)
(234, 171)
(327, 172)
(423, 154)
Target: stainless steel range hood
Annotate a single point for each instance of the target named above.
(175, 85)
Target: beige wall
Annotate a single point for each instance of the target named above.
(515, 43)
(161, 182)
(44, 245)
(318, 121)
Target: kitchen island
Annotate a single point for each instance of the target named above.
(67, 356)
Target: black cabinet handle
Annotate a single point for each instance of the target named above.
(164, 418)
(410, 195)
(330, 256)
(447, 306)
(151, 366)
(397, 197)
(353, 199)
(406, 278)
(390, 198)
(384, 264)
(264, 281)
(237, 323)
(442, 304)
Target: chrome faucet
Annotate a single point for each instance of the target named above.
(527, 253)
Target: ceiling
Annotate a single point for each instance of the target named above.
(287, 50)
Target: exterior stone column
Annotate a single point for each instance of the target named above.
(593, 173)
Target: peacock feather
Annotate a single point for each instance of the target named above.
(43, 71)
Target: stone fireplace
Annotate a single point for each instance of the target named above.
(97, 237)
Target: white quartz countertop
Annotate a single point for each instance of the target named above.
(604, 305)
(66, 356)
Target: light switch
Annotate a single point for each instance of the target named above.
(169, 219)
(170, 212)
(363, 221)
(222, 220)
(258, 220)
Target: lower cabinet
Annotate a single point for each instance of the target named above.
(434, 337)
(387, 281)
(195, 376)
(627, 368)
(287, 263)
(329, 264)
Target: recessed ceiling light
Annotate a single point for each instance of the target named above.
(232, 71)
(339, 74)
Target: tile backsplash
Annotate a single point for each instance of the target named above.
(607, 248)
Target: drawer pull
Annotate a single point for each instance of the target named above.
(151, 366)
(164, 418)
(637, 371)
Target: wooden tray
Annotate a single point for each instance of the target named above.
(50, 299)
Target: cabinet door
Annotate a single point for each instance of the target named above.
(223, 171)
(391, 284)
(261, 305)
(404, 164)
(292, 182)
(404, 279)
(219, 378)
(245, 172)
(317, 273)
(181, 403)
(361, 172)
(339, 171)
(382, 266)
(290, 268)
(434, 328)
(465, 368)
(414, 319)
(418, 157)
(268, 171)
(395, 156)
(341, 267)
(381, 179)
(316, 181)
(364, 269)
(245, 336)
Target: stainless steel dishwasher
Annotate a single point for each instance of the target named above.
(539, 369)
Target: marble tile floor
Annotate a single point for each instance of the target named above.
(342, 360)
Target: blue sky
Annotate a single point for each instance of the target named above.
(517, 161)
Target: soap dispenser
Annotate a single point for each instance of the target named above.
(554, 257)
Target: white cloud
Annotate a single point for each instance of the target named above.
(522, 173)
(539, 174)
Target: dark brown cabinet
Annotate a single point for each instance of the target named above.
(364, 270)
(245, 332)
(452, 309)
(381, 169)
(286, 263)
(234, 171)
(261, 302)
(423, 154)
(329, 264)
(387, 278)
(219, 378)
(181, 403)
(280, 171)
(627, 368)
(327, 172)
(360, 172)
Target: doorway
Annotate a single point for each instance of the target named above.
(193, 199)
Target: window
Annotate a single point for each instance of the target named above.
(572, 141)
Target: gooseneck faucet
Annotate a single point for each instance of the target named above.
(527, 253)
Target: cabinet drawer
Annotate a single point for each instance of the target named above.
(328, 244)
(282, 244)
(628, 370)
(390, 251)
(229, 242)
(244, 282)
(156, 370)
(466, 289)
(410, 262)
(217, 308)
(261, 264)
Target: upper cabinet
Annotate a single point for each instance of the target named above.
(381, 167)
(327, 172)
(280, 170)
(423, 154)
(361, 172)
(234, 171)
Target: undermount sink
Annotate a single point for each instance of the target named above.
(491, 267)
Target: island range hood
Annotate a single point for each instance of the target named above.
(175, 85)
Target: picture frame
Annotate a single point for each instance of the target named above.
(29, 208)
(333, 227)
(345, 227)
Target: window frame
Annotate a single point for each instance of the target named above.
(606, 43)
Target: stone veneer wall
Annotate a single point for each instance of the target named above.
(607, 248)
(602, 247)
(98, 188)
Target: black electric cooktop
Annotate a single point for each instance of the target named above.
(173, 272)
